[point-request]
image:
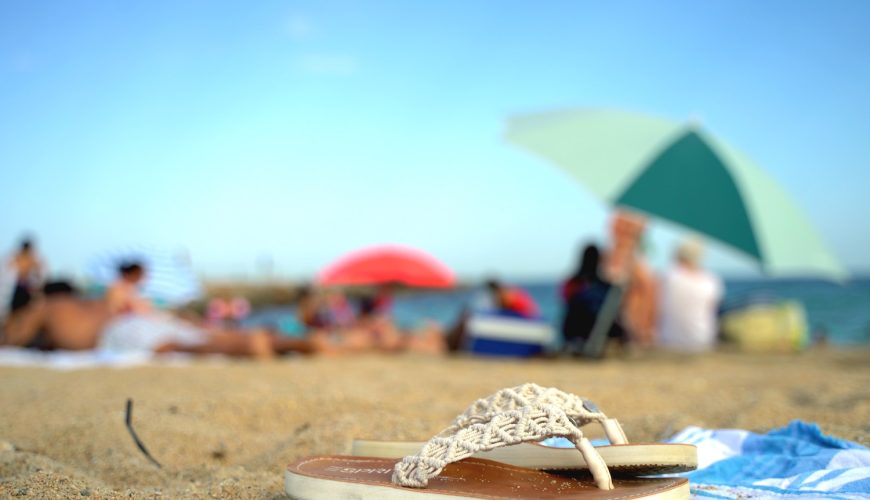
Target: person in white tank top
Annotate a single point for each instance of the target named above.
(689, 301)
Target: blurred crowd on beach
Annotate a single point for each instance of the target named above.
(612, 300)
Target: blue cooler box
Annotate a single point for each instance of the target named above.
(502, 335)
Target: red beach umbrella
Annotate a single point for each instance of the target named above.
(388, 264)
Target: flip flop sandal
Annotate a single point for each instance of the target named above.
(622, 458)
(442, 468)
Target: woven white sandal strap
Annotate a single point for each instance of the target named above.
(521, 425)
(614, 431)
(582, 411)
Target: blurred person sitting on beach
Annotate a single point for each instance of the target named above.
(583, 295)
(375, 318)
(640, 302)
(123, 295)
(382, 301)
(225, 311)
(623, 264)
(319, 327)
(512, 300)
(27, 272)
(310, 311)
(689, 300)
(323, 308)
(339, 311)
(334, 328)
(314, 318)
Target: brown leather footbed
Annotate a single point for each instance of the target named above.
(478, 478)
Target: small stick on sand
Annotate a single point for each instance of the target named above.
(129, 420)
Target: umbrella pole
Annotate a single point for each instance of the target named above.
(594, 345)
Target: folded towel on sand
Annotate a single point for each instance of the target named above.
(795, 461)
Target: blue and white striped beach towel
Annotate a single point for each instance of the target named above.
(795, 461)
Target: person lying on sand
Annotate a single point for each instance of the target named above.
(375, 319)
(62, 320)
(371, 330)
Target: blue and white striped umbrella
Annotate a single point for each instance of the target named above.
(169, 277)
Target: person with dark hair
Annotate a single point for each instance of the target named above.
(309, 308)
(338, 309)
(377, 330)
(334, 329)
(375, 319)
(123, 296)
(59, 287)
(27, 268)
(512, 300)
(583, 295)
(367, 306)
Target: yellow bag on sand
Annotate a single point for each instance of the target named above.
(767, 327)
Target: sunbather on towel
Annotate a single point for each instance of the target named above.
(375, 320)
(334, 329)
(64, 321)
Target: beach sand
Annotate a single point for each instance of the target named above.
(227, 428)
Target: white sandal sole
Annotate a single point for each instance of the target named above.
(625, 459)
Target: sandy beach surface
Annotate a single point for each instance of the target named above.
(226, 428)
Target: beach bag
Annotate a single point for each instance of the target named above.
(780, 327)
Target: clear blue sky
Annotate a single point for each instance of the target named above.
(302, 130)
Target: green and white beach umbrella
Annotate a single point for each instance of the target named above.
(681, 173)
